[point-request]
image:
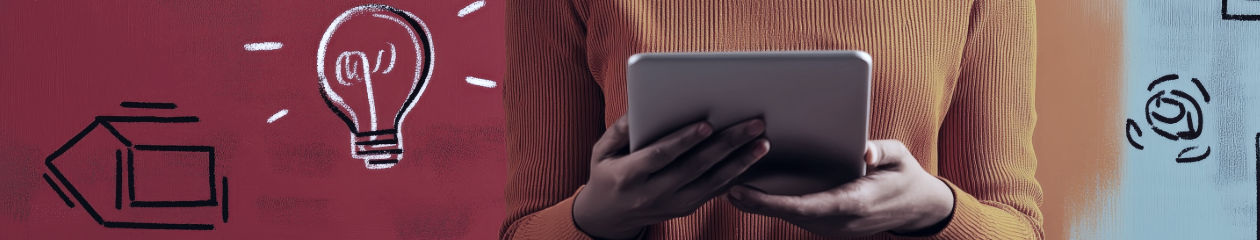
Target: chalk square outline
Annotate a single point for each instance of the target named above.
(1241, 17)
(131, 185)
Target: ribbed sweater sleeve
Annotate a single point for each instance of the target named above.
(986, 141)
(554, 113)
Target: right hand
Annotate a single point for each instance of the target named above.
(669, 178)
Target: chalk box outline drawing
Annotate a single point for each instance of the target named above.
(1234, 15)
(107, 123)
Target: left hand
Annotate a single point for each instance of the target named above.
(895, 195)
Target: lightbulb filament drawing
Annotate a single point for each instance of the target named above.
(354, 51)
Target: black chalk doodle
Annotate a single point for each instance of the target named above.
(1180, 127)
(124, 156)
(1240, 11)
(347, 69)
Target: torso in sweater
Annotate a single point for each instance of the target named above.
(923, 65)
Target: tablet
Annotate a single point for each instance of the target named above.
(815, 105)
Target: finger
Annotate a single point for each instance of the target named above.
(804, 207)
(617, 137)
(716, 180)
(662, 152)
(710, 153)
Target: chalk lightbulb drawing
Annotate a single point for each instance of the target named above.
(374, 61)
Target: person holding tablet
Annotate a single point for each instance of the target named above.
(951, 106)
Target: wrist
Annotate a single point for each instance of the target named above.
(615, 235)
(598, 231)
(633, 235)
(938, 209)
(599, 225)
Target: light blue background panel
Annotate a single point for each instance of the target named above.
(1160, 197)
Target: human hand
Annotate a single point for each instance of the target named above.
(669, 178)
(896, 195)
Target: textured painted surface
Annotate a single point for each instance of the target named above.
(1162, 197)
(66, 62)
(1078, 76)
(291, 175)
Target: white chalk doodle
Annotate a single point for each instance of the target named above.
(263, 46)
(278, 115)
(345, 51)
(472, 8)
(480, 82)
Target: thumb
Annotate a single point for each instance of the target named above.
(888, 153)
(873, 154)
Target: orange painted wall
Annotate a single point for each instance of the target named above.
(1078, 78)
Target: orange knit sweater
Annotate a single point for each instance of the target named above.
(953, 80)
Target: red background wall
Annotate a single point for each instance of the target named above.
(64, 62)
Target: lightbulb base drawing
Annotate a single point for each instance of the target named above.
(378, 149)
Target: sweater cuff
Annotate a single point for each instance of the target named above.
(969, 218)
(555, 222)
(966, 211)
